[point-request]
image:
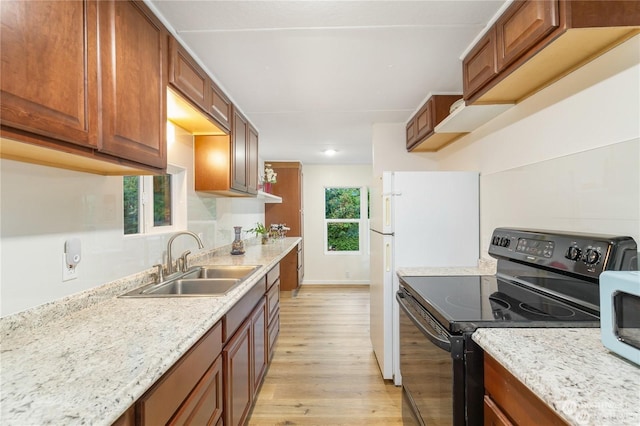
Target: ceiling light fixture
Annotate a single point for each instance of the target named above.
(330, 152)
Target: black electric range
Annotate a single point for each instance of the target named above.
(543, 279)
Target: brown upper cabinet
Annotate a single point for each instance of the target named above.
(420, 129)
(186, 75)
(191, 81)
(133, 58)
(228, 164)
(536, 42)
(67, 101)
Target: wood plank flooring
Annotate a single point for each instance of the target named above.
(324, 371)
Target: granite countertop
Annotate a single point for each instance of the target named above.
(87, 358)
(571, 371)
(484, 267)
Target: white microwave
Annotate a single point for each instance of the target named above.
(620, 313)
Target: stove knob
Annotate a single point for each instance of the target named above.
(505, 242)
(591, 257)
(573, 253)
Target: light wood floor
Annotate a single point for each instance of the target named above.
(324, 371)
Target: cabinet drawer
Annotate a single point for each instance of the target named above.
(274, 330)
(273, 300)
(204, 405)
(160, 403)
(493, 416)
(513, 398)
(242, 309)
(522, 26)
(480, 65)
(273, 275)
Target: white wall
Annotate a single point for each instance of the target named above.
(41, 207)
(390, 151)
(566, 158)
(321, 268)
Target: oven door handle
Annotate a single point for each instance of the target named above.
(436, 340)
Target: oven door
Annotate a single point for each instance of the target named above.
(432, 368)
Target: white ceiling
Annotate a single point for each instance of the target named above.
(312, 75)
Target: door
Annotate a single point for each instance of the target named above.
(426, 364)
(381, 301)
(435, 219)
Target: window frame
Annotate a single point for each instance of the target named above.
(178, 204)
(362, 221)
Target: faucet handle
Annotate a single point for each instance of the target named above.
(184, 260)
(159, 273)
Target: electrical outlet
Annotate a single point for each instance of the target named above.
(68, 273)
(347, 274)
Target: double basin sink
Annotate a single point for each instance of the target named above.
(211, 280)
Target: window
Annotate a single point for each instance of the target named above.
(152, 204)
(345, 214)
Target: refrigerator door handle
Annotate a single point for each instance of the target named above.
(387, 210)
(387, 257)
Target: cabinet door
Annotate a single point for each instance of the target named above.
(411, 133)
(204, 404)
(239, 153)
(273, 300)
(289, 272)
(252, 160)
(259, 345)
(523, 25)
(220, 106)
(424, 120)
(480, 65)
(49, 77)
(187, 76)
(133, 63)
(238, 384)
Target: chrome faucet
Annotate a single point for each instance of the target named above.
(169, 268)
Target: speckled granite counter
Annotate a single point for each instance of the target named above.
(89, 357)
(485, 267)
(571, 371)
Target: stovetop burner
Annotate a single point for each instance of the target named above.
(548, 310)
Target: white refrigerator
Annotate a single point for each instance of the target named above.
(418, 219)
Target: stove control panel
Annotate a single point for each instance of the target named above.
(586, 255)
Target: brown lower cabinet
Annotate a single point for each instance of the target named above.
(508, 401)
(217, 380)
(238, 386)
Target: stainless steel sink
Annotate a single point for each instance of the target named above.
(222, 271)
(210, 280)
(193, 287)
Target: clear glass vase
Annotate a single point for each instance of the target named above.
(237, 246)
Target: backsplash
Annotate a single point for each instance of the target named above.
(41, 207)
(595, 191)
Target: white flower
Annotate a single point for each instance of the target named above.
(269, 174)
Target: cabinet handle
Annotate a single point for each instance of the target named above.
(387, 257)
(387, 211)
